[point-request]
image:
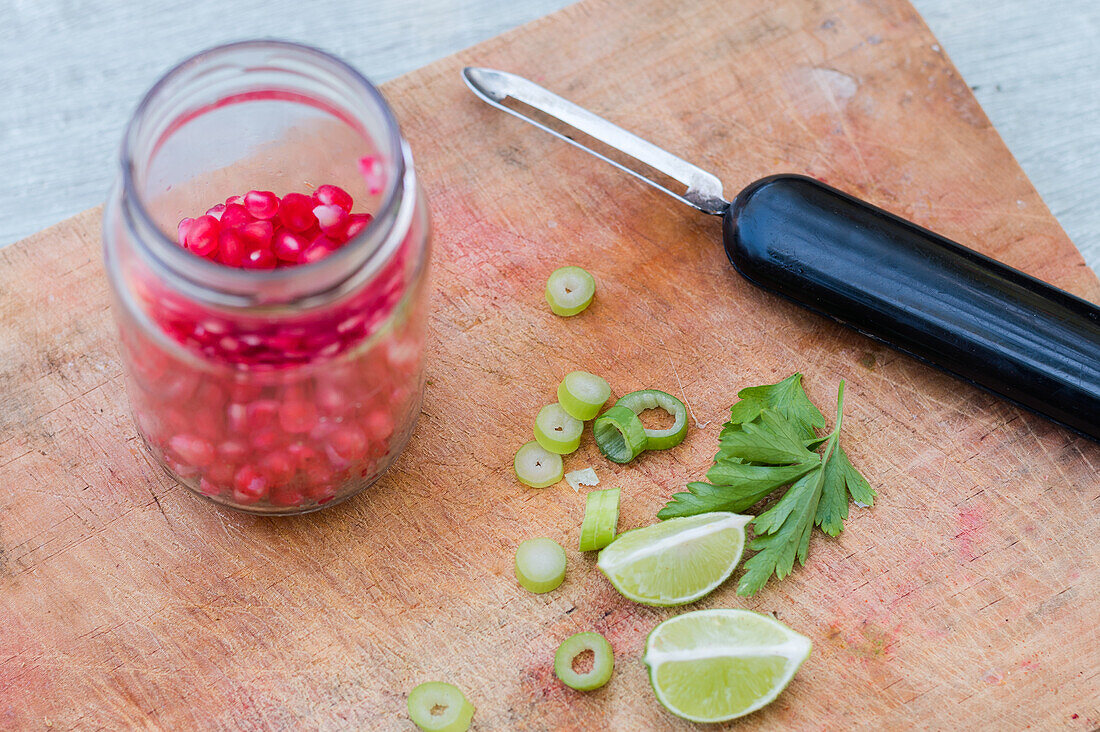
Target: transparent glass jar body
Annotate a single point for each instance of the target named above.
(269, 391)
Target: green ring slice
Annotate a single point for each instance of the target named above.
(436, 706)
(583, 395)
(603, 661)
(540, 565)
(570, 290)
(557, 431)
(619, 434)
(640, 401)
(538, 467)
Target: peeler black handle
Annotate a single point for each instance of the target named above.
(921, 293)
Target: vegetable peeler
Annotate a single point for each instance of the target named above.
(894, 281)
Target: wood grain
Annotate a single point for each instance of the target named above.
(967, 595)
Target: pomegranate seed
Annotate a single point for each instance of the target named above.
(356, 223)
(234, 199)
(277, 467)
(208, 489)
(370, 167)
(298, 416)
(183, 471)
(296, 212)
(235, 215)
(191, 450)
(216, 211)
(330, 217)
(379, 424)
(231, 247)
(286, 496)
(321, 247)
(202, 236)
(288, 246)
(261, 413)
(332, 400)
(232, 451)
(346, 445)
(261, 204)
(333, 195)
(182, 228)
(249, 485)
(258, 234)
(267, 439)
(221, 473)
(319, 483)
(259, 259)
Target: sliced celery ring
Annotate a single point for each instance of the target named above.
(556, 431)
(601, 518)
(538, 467)
(603, 661)
(436, 706)
(639, 401)
(620, 435)
(569, 290)
(540, 564)
(582, 394)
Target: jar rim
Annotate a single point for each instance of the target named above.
(231, 286)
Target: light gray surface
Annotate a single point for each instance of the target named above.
(71, 72)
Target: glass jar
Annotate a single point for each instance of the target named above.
(274, 391)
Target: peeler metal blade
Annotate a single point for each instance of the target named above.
(704, 190)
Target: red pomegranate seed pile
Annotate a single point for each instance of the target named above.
(251, 427)
(261, 231)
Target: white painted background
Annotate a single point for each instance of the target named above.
(71, 72)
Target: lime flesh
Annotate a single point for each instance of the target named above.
(676, 561)
(717, 665)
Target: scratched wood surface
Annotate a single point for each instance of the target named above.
(966, 596)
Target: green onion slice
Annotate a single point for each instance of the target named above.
(557, 431)
(603, 661)
(601, 518)
(570, 290)
(540, 564)
(538, 467)
(582, 394)
(436, 706)
(620, 435)
(640, 401)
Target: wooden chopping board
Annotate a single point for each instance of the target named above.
(967, 596)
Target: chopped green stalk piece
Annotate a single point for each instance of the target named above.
(570, 290)
(540, 565)
(639, 401)
(436, 706)
(601, 518)
(556, 431)
(582, 394)
(603, 661)
(620, 435)
(538, 467)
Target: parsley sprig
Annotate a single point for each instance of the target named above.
(771, 441)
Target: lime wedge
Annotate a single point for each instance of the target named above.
(676, 561)
(717, 665)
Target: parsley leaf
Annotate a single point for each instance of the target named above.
(770, 442)
(739, 488)
(787, 397)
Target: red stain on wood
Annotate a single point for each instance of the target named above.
(970, 524)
